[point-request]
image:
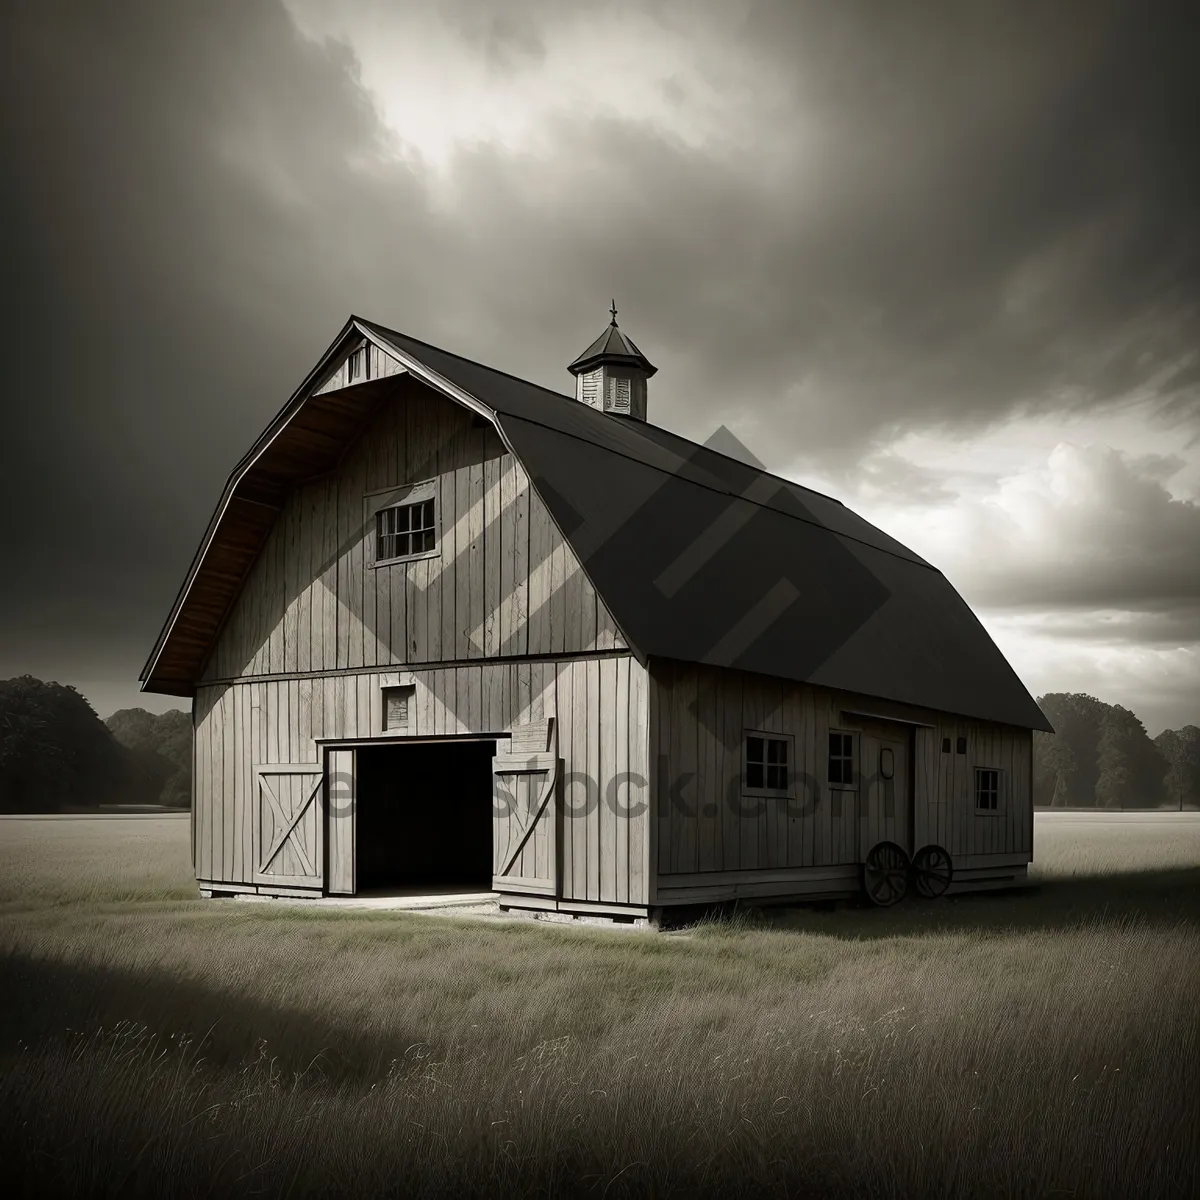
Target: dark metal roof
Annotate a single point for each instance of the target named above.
(615, 347)
(698, 556)
(704, 558)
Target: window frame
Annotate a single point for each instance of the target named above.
(400, 497)
(769, 793)
(998, 808)
(405, 692)
(852, 734)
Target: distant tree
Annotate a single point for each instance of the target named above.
(1130, 767)
(56, 753)
(1054, 768)
(1076, 718)
(162, 745)
(1181, 749)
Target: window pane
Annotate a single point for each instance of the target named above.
(776, 751)
(754, 749)
(777, 776)
(835, 770)
(754, 774)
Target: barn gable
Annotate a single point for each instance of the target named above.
(502, 582)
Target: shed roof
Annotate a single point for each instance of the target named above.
(698, 556)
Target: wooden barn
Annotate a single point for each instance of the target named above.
(450, 630)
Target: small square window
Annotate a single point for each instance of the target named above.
(945, 745)
(404, 530)
(766, 763)
(841, 758)
(962, 745)
(396, 706)
(987, 789)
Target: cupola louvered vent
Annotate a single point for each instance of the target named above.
(611, 374)
(590, 388)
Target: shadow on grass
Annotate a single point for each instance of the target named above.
(1164, 897)
(43, 999)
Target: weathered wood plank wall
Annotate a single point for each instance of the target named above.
(504, 583)
(603, 702)
(704, 824)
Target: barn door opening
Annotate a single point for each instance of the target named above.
(422, 819)
(288, 825)
(526, 810)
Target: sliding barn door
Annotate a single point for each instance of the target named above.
(289, 825)
(525, 848)
(886, 812)
(343, 794)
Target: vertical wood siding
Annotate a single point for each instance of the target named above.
(703, 823)
(504, 583)
(600, 704)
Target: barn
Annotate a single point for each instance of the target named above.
(449, 630)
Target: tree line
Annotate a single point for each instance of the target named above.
(1100, 756)
(57, 755)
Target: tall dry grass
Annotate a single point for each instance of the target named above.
(1034, 1045)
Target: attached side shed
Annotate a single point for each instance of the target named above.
(449, 629)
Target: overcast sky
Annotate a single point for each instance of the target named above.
(940, 261)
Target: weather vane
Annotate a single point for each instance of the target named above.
(613, 310)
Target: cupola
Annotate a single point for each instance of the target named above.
(611, 373)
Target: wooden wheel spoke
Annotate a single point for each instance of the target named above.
(932, 871)
(885, 874)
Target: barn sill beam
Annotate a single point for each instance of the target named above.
(571, 908)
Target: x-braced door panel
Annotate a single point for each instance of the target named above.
(289, 825)
(525, 790)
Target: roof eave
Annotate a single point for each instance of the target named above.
(278, 423)
(582, 365)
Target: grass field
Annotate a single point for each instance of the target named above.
(1036, 1044)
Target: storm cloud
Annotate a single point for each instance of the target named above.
(828, 225)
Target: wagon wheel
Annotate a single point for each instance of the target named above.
(932, 871)
(885, 874)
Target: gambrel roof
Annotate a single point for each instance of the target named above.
(698, 556)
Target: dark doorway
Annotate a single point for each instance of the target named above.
(423, 817)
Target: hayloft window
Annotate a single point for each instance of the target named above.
(841, 758)
(357, 366)
(987, 789)
(404, 522)
(404, 530)
(767, 764)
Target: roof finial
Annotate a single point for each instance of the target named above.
(613, 310)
